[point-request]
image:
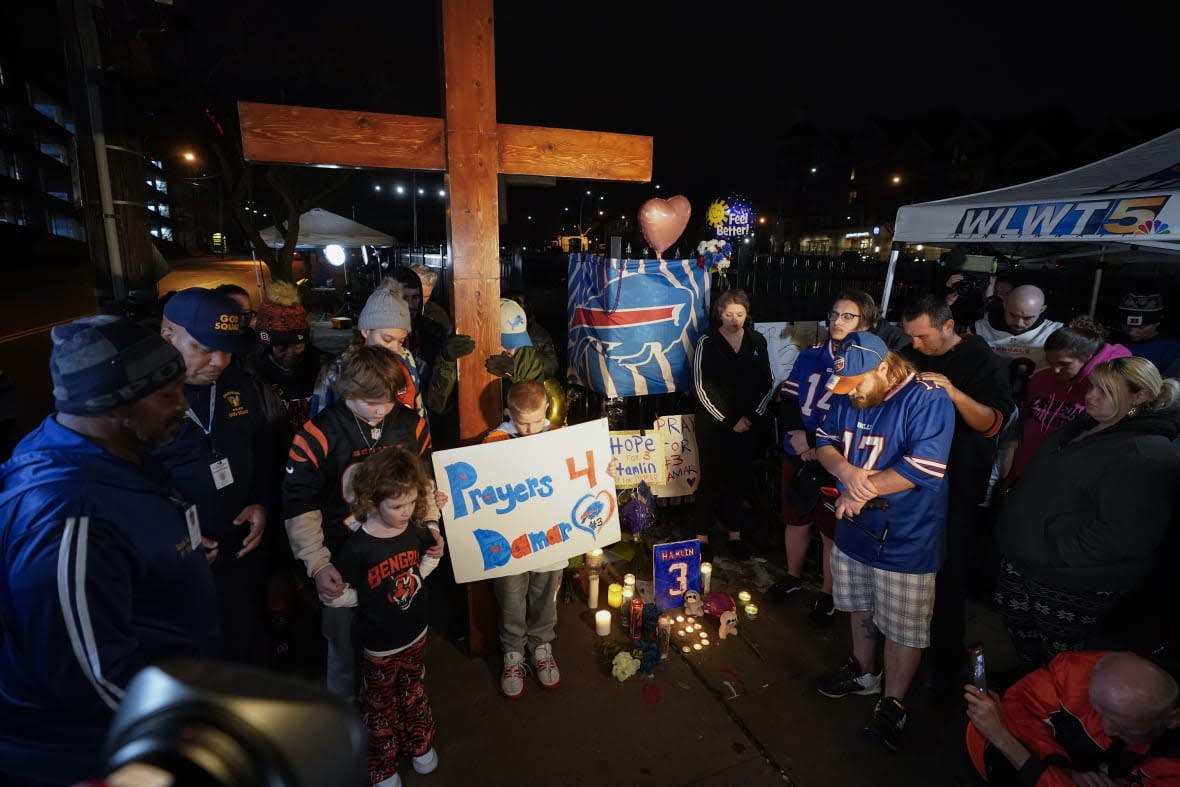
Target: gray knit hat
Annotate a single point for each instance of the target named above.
(385, 308)
(103, 362)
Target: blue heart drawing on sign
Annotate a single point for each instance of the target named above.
(591, 512)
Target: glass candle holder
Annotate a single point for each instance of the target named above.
(614, 595)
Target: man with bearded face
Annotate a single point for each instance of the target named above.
(888, 438)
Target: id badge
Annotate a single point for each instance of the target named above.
(222, 475)
(193, 522)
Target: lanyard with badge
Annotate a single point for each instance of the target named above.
(222, 474)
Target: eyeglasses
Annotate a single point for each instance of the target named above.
(846, 316)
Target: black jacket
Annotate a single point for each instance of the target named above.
(1090, 514)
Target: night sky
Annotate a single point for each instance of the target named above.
(713, 87)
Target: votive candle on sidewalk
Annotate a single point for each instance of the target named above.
(614, 594)
(706, 576)
(592, 595)
(744, 597)
(602, 622)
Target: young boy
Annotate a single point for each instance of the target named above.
(527, 602)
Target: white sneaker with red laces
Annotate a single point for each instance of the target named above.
(546, 665)
(512, 678)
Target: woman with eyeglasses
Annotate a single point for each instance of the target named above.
(1081, 528)
(804, 401)
(733, 385)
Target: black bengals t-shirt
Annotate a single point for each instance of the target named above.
(391, 609)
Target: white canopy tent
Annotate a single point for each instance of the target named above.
(1127, 203)
(319, 228)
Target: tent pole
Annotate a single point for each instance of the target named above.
(894, 254)
(1097, 283)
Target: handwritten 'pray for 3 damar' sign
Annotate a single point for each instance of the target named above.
(528, 503)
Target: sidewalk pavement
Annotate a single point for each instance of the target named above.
(742, 711)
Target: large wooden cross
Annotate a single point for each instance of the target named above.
(473, 150)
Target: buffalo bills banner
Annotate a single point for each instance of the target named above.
(634, 323)
(517, 507)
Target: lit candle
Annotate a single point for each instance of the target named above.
(744, 597)
(680, 632)
(602, 622)
(592, 596)
(703, 634)
(686, 649)
(680, 618)
(706, 576)
(628, 594)
(751, 611)
(614, 594)
(629, 581)
(696, 646)
(594, 558)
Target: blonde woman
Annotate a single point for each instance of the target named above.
(1081, 527)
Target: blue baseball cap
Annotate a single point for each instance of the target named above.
(860, 353)
(212, 318)
(514, 329)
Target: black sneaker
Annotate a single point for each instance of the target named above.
(784, 587)
(848, 679)
(823, 611)
(887, 722)
(738, 549)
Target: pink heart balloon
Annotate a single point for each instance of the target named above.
(663, 221)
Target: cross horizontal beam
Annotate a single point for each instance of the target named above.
(312, 136)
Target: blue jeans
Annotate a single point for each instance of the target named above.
(340, 676)
(528, 608)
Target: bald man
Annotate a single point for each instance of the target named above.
(1020, 331)
(1017, 334)
(1096, 719)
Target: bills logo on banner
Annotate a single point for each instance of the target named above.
(634, 323)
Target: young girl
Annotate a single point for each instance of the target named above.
(385, 563)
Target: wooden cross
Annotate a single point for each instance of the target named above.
(473, 150)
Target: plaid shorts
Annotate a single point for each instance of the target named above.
(902, 604)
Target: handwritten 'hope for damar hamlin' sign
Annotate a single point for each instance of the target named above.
(527, 503)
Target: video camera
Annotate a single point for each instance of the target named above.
(210, 724)
(976, 269)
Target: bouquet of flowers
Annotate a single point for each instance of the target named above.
(714, 255)
(625, 665)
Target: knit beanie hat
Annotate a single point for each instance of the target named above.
(281, 318)
(1142, 309)
(385, 308)
(104, 362)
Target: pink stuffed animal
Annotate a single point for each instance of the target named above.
(721, 605)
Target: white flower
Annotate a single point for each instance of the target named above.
(624, 666)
